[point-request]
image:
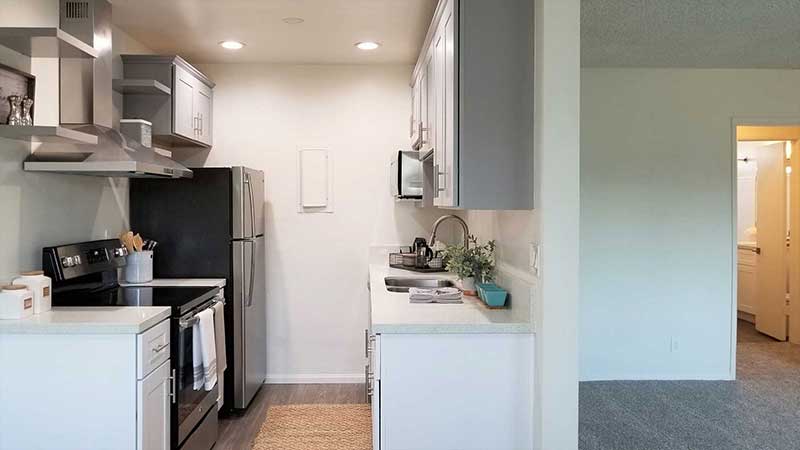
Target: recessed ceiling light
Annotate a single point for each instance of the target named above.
(232, 45)
(367, 45)
(293, 20)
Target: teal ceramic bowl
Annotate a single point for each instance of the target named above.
(492, 294)
(480, 286)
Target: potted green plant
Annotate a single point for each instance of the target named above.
(474, 263)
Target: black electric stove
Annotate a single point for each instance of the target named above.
(180, 299)
(85, 274)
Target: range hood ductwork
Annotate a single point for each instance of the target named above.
(115, 155)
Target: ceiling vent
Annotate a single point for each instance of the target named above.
(76, 10)
(77, 18)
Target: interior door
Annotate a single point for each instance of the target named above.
(794, 247)
(184, 120)
(771, 238)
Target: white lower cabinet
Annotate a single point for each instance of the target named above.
(153, 410)
(452, 391)
(92, 391)
(747, 281)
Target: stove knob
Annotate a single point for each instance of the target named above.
(119, 252)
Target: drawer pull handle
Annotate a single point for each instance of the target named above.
(160, 347)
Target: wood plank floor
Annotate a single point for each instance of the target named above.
(237, 431)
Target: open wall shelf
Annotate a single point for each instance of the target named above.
(48, 42)
(141, 87)
(52, 134)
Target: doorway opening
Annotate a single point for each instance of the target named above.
(767, 211)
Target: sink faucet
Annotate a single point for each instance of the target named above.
(444, 218)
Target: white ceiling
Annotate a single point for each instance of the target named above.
(690, 33)
(193, 29)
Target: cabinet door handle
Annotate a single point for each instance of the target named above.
(368, 377)
(172, 394)
(437, 186)
(160, 347)
(201, 124)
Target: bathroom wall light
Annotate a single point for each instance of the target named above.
(788, 149)
(232, 45)
(367, 45)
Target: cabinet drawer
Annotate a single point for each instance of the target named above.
(152, 349)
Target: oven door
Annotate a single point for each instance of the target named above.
(191, 404)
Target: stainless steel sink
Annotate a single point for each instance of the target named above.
(400, 284)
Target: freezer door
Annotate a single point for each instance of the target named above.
(248, 203)
(250, 340)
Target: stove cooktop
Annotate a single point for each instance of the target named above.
(180, 299)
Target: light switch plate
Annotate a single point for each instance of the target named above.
(534, 257)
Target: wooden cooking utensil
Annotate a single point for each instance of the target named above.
(127, 240)
(138, 243)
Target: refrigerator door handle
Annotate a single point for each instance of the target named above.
(249, 184)
(252, 273)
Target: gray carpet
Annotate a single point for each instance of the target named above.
(759, 411)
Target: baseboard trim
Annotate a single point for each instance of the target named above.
(318, 378)
(722, 376)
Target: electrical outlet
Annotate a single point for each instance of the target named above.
(533, 257)
(674, 345)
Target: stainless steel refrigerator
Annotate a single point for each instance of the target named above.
(212, 226)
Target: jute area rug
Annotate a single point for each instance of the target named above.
(316, 427)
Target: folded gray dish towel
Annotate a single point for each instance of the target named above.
(441, 295)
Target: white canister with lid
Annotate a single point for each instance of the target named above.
(40, 285)
(16, 302)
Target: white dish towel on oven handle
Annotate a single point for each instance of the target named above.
(219, 337)
(204, 351)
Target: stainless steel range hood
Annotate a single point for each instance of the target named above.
(114, 155)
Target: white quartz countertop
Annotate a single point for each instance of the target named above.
(391, 312)
(180, 282)
(89, 320)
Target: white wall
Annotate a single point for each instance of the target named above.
(317, 263)
(42, 209)
(656, 215)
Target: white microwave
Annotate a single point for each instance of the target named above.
(406, 175)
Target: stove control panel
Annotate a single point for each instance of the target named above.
(66, 262)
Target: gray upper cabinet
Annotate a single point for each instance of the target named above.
(474, 80)
(181, 115)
